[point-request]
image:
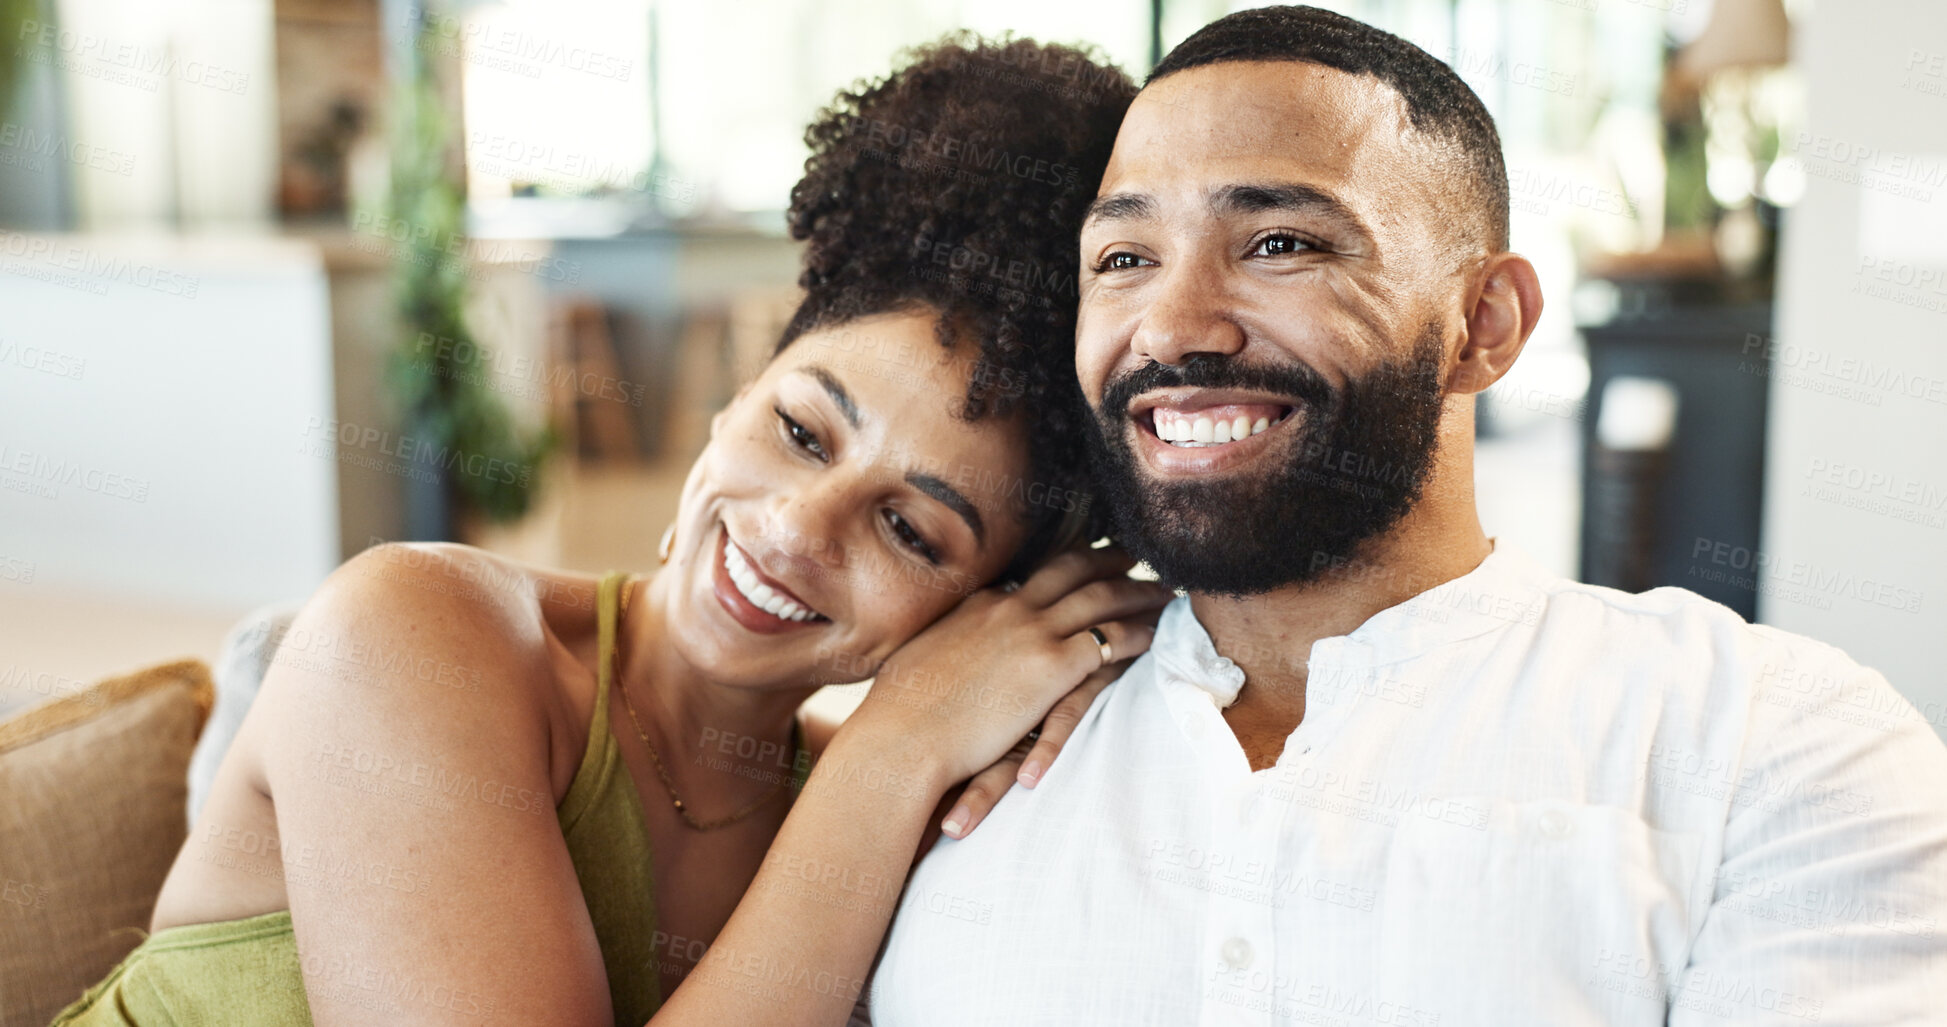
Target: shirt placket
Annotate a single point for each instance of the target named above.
(1242, 937)
(1331, 659)
(1240, 832)
(1241, 920)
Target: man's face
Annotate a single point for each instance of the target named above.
(1268, 295)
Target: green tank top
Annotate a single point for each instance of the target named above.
(245, 972)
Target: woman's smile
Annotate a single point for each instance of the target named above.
(755, 600)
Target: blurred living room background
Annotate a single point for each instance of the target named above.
(282, 279)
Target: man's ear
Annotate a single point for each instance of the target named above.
(1506, 304)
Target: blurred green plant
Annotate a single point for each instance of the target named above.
(1687, 203)
(13, 14)
(489, 461)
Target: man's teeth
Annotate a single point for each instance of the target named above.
(760, 595)
(1203, 431)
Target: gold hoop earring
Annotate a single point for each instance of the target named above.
(668, 544)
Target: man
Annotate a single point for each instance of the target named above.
(1378, 768)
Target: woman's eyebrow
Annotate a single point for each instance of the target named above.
(836, 389)
(931, 485)
(951, 498)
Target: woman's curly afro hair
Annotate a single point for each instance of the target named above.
(957, 185)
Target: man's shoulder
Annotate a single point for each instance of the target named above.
(1665, 604)
(1698, 653)
(1673, 622)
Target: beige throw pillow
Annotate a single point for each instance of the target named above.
(92, 792)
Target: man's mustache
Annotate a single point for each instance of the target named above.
(1297, 381)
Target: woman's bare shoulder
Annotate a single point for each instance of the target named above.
(446, 623)
(467, 576)
(408, 715)
(446, 636)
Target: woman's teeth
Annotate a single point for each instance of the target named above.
(759, 594)
(1179, 430)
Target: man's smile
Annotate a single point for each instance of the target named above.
(1198, 431)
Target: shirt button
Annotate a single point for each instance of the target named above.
(1193, 726)
(1237, 954)
(1250, 809)
(1555, 824)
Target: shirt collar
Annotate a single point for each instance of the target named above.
(1185, 650)
(1508, 588)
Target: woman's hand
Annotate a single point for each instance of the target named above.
(1025, 763)
(963, 692)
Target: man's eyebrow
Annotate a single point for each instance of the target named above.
(836, 390)
(1252, 198)
(954, 501)
(1119, 207)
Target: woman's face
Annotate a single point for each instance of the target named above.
(841, 506)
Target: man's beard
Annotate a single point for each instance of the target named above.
(1351, 470)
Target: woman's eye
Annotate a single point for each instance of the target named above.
(1278, 244)
(1121, 260)
(911, 538)
(802, 436)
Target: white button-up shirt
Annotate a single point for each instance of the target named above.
(1513, 799)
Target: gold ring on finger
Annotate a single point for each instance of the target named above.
(1102, 643)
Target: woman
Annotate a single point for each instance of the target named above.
(378, 844)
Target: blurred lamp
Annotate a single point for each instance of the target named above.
(1740, 34)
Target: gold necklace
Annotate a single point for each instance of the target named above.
(668, 785)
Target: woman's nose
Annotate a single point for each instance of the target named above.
(809, 523)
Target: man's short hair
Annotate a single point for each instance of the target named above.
(1438, 104)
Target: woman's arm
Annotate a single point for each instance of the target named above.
(802, 939)
(949, 703)
(427, 878)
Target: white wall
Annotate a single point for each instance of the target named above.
(1856, 493)
(165, 413)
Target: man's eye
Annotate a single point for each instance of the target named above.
(802, 436)
(911, 537)
(1278, 244)
(1121, 260)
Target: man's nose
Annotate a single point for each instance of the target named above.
(1188, 315)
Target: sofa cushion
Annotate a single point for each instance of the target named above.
(240, 667)
(95, 786)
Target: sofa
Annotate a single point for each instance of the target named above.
(97, 792)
